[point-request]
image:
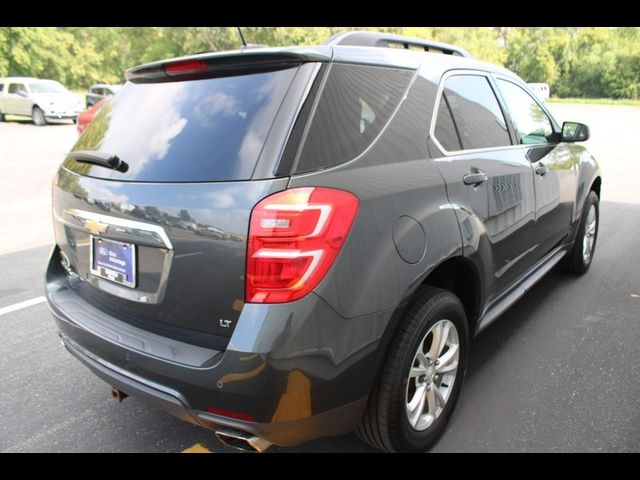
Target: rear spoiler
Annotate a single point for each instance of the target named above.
(220, 64)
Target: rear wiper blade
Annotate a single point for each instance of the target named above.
(102, 159)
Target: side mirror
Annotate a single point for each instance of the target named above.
(22, 93)
(574, 132)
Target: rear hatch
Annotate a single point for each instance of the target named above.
(160, 240)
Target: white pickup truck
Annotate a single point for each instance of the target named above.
(42, 100)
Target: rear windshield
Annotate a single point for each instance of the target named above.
(198, 130)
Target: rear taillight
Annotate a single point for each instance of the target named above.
(294, 237)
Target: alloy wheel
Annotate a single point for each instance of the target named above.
(432, 375)
(589, 235)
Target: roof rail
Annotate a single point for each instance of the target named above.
(378, 39)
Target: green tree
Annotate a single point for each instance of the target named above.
(481, 42)
(574, 61)
(529, 54)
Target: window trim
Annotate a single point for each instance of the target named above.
(555, 126)
(312, 113)
(439, 95)
(300, 122)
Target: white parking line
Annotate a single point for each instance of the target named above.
(21, 305)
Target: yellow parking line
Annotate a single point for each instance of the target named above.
(197, 448)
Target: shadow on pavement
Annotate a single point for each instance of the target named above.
(27, 121)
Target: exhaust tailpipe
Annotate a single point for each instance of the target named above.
(118, 395)
(242, 440)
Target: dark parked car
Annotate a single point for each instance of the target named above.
(99, 91)
(381, 206)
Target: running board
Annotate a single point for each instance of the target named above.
(539, 271)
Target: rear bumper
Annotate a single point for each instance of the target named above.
(291, 372)
(157, 395)
(60, 115)
(289, 433)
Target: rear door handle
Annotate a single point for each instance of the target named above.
(541, 169)
(475, 178)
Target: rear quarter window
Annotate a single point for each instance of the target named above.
(354, 106)
(189, 131)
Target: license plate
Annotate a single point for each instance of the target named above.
(113, 260)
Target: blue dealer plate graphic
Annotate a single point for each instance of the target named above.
(115, 261)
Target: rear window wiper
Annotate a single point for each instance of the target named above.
(102, 159)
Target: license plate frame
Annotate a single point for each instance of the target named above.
(107, 263)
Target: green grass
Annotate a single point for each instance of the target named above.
(597, 101)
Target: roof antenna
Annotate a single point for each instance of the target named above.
(242, 37)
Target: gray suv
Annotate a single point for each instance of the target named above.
(285, 244)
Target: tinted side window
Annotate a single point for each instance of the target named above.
(354, 106)
(469, 115)
(16, 87)
(1, 86)
(530, 121)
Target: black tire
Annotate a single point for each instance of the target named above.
(574, 261)
(2, 117)
(385, 424)
(37, 116)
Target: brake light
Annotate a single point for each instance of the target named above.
(294, 237)
(185, 68)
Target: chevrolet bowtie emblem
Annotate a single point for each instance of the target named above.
(95, 226)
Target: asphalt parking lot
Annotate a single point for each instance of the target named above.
(559, 372)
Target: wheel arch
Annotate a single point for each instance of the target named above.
(596, 186)
(44, 115)
(459, 276)
(456, 274)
